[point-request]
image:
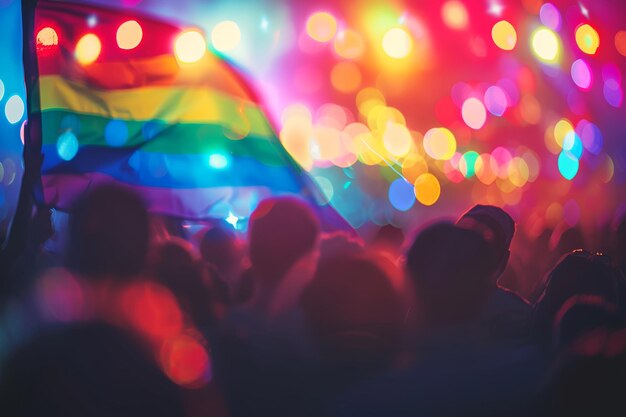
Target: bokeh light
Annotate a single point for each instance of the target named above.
(495, 100)
(561, 129)
(60, 296)
(550, 16)
(581, 74)
(14, 109)
(219, 161)
(573, 144)
(129, 35)
(116, 133)
(152, 310)
(185, 361)
(345, 77)
(226, 36)
(321, 26)
(620, 42)
(397, 139)
(467, 164)
(413, 166)
(22, 130)
(349, 44)
(591, 136)
(397, 43)
(9, 171)
(427, 189)
(88, 49)
(518, 171)
(1, 89)
(47, 40)
(67, 146)
(503, 157)
(369, 98)
(190, 46)
(504, 35)
(439, 143)
(486, 168)
(454, 15)
(587, 39)
(474, 113)
(530, 109)
(568, 165)
(401, 194)
(613, 93)
(545, 45)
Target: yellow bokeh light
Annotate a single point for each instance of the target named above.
(587, 39)
(190, 46)
(545, 44)
(413, 166)
(427, 189)
(454, 15)
(550, 142)
(88, 49)
(349, 44)
(518, 172)
(504, 35)
(439, 143)
(397, 139)
(321, 26)
(369, 148)
(345, 77)
(47, 37)
(226, 36)
(129, 35)
(562, 128)
(368, 98)
(382, 116)
(397, 43)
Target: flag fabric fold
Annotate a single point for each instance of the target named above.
(117, 104)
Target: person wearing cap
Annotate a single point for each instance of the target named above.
(506, 316)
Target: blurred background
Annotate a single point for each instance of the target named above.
(407, 111)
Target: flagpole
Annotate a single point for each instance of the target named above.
(32, 130)
(30, 189)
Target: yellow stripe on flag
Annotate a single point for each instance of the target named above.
(167, 104)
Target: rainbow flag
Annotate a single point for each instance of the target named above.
(142, 102)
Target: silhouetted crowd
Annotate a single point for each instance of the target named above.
(146, 315)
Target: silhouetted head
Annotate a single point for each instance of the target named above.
(218, 246)
(108, 233)
(496, 227)
(86, 370)
(281, 231)
(389, 237)
(581, 314)
(174, 265)
(577, 273)
(449, 268)
(354, 313)
(571, 239)
(339, 242)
